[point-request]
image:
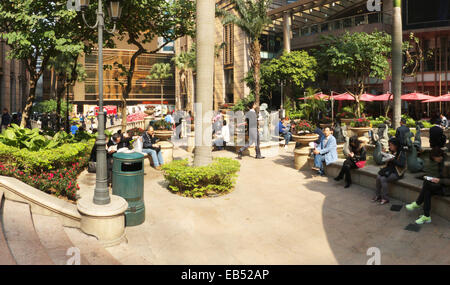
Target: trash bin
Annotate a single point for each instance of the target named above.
(128, 182)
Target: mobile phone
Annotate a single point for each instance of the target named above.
(429, 178)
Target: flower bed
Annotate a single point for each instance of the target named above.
(304, 127)
(211, 180)
(53, 170)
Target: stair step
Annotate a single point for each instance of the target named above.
(6, 257)
(90, 248)
(55, 240)
(21, 236)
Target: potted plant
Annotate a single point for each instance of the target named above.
(325, 122)
(360, 126)
(163, 129)
(304, 132)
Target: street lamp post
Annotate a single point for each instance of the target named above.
(101, 192)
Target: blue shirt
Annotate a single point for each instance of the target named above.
(73, 129)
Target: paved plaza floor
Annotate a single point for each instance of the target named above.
(278, 215)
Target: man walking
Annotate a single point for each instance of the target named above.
(252, 132)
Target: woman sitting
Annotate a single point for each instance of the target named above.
(393, 171)
(355, 159)
(437, 184)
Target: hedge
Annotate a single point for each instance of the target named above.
(216, 178)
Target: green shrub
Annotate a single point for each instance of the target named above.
(196, 182)
(426, 124)
(161, 125)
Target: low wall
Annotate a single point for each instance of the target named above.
(406, 189)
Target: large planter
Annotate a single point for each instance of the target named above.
(347, 121)
(323, 126)
(163, 135)
(149, 112)
(360, 132)
(301, 153)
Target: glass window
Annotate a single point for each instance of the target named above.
(324, 27)
(314, 29)
(337, 25)
(305, 31)
(359, 20)
(347, 23)
(373, 18)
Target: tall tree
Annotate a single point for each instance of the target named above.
(205, 25)
(161, 71)
(36, 31)
(356, 57)
(145, 21)
(251, 18)
(397, 61)
(185, 63)
(68, 72)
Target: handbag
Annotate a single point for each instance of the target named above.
(92, 167)
(361, 164)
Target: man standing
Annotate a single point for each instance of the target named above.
(6, 120)
(326, 152)
(252, 132)
(402, 133)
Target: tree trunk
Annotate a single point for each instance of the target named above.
(29, 103)
(205, 69)
(162, 95)
(397, 62)
(255, 53)
(124, 115)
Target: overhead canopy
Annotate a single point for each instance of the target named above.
(344, 97)
(307, 12)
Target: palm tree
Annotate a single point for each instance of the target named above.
(204, 81)
(185, 62)
(160, 71)
(397, 61)
(251, 18)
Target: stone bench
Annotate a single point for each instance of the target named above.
(406, 189)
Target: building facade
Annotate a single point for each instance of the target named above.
(13, 82)
(145, 91)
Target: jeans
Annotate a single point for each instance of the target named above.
(156, 156)
(382, 185)
(319, 159)
(428, 190)
(287, 137)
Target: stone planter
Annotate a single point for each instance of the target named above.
(360, 132)
(167, 151)
(301, 154)
(149, 112)
(163, 135)
(347, 121)
(323, 126)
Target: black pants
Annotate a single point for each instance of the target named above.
(428, 190)
(345, 170)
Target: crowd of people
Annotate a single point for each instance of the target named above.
(436, 181)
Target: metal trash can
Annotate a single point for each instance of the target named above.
(128, 182)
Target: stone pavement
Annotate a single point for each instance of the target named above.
(277, 215)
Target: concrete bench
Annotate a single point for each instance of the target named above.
(406, 189)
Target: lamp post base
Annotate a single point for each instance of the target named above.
(106, 222)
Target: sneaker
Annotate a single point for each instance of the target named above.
(376, 199)
(423, 220)
(285, 147)
(158, 167)
(412, 206)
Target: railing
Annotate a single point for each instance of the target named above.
(344, 23)
(130, 125)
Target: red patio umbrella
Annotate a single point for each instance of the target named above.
(383, 97)
(367, 97)
(443, 98)
(344, 97)
(317, 96)
(416, 97)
